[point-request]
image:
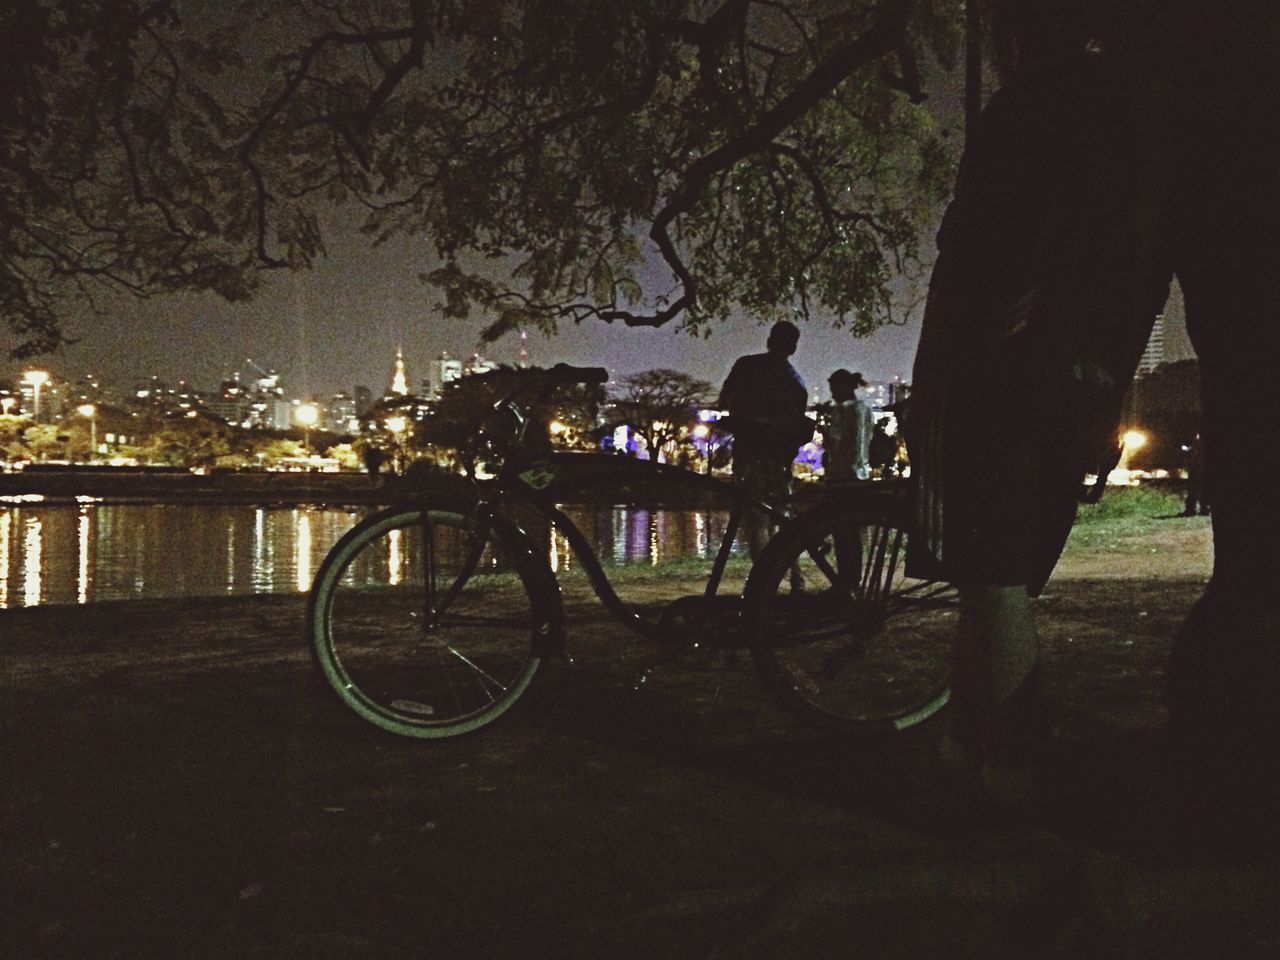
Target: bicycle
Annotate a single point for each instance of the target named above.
(431, 617)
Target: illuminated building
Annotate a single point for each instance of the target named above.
(399, 380)
(363, 397)
(341, 413)
(478, 364)
(1154, 354)
(444, 369)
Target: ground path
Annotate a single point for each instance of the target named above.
(175, 787)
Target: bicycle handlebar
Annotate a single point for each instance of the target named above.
(541, 387)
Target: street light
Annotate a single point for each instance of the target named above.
(90, 411)
(307, 414)
(35, 379)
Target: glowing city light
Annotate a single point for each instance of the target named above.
(306, 414)
(90, 411)
(35, 379)
(1134, 439)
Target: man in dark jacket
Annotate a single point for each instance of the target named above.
(766, 400)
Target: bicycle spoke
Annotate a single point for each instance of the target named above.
(435, 636)
(429, 584)
(480, 674)
(870, 653)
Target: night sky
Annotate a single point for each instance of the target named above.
(339, 324)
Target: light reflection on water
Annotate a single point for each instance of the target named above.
(6, 524)
(32, 551)
(84, 553)
(84, 531)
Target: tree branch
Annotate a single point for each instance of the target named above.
(884, 36)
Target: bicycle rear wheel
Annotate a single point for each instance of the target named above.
(860, 648)
(431, 623)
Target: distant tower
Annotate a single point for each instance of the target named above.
(522, 352)
(399, 382)
(1153, 355)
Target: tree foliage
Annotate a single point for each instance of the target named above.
(463, 419)
(118, 167)
(660, 405)
(639, 162)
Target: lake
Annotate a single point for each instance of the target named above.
(92, 552)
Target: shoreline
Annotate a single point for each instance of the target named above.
(143, 487)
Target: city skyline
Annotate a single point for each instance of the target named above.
(338, 325)
(318, 333)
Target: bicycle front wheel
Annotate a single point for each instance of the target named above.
(431, 622)
(838, 632)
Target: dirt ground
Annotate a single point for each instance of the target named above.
(177, 787)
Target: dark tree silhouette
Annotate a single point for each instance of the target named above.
(660, 405)
(634, 162)
(465, 406)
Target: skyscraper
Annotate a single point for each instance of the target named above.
(364, 399)
(1153, 355)
(399, 380)
(444, 370)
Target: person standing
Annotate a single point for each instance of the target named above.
(846, 446)
(1115, 156)
(766, 399)
(846, 453)
(1197, 499)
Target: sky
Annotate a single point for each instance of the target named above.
(339, 324)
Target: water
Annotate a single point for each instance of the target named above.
(93, 552)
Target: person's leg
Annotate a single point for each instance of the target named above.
(993, 676)
(849, 544)
(771, 480)
(781, 474)
(748, 473)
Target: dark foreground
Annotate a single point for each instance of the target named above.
(174, 786)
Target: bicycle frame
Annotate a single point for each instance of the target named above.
(543, 484)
